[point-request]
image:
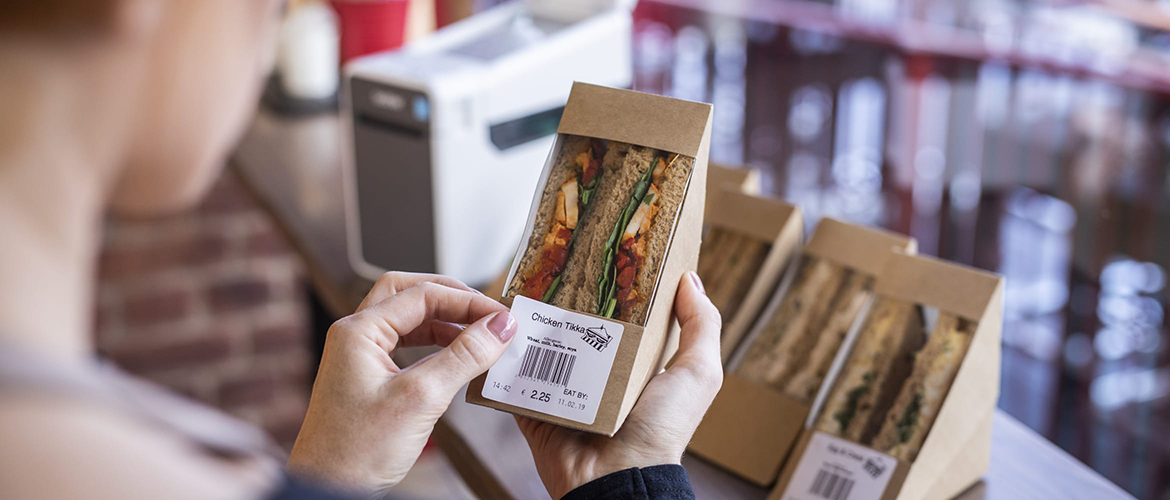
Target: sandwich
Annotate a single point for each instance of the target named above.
(793, 350)
(850, 298)
(918, 402)
(728, 263)
(572, 182)
(607, 262)
(874, 372)
(775, 349)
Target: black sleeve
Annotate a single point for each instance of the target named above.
(291, 489)
(661, 482)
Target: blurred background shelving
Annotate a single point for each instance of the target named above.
(1028, 138)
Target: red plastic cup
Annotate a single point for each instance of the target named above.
(369, 26)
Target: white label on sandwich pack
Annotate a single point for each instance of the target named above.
(558, 364)
(835, 469)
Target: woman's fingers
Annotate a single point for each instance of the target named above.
(393, 282)
(698, 343)
(404, 312)
(432, 332)
(469, 354)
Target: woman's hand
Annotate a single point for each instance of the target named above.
(660, 425)
(368, 419)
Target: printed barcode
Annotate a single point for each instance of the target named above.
(831, 486)
(547, 365)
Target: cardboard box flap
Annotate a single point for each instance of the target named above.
(744, 179)
(737, 211)
(862, 248)
(950, 287)
(968, 466)
(648, 120)
(766, 424)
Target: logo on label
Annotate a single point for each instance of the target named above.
(597, 337)
(874, 469)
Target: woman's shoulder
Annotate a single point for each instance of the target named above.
(57, 447)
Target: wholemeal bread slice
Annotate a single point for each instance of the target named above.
(873, 372)
(909, 419)
(735, 273)
(564, 169)
(721, 273)
(575, 276)
(711, 259)
(758, 360)
(612, 198)
(742, 276)
(711, 241)
(673, 189)
(850, 298)
(779, 348)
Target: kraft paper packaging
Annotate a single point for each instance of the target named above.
(751, 427)
(957, 447)
(772, 224)
(666, 124)
(724, 177)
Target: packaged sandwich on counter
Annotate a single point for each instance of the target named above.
(615, 222)
(908, 415)
(747, 244)
(773, 378)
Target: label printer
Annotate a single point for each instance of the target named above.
(445, 138)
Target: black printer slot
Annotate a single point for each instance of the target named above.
(512, 133)
(388, 126)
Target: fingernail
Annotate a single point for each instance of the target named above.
(503, 326)
(698, 282)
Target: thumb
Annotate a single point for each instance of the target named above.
(471, 353)
(698, 343)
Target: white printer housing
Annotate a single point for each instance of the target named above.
(445, 138)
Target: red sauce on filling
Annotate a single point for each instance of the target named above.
(550, 264)
(628, 262)
(554, 257)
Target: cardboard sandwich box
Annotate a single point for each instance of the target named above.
(771, 382)
(593, 301)
(928, 431)
(747, 244)
(720, 177)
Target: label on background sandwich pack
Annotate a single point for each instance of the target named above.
(836, 469)
(558, 363)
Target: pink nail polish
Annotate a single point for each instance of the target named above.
(503, 326)
(698, 282)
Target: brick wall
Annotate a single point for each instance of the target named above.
(211, 304)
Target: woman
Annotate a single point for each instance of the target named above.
(129, 107)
